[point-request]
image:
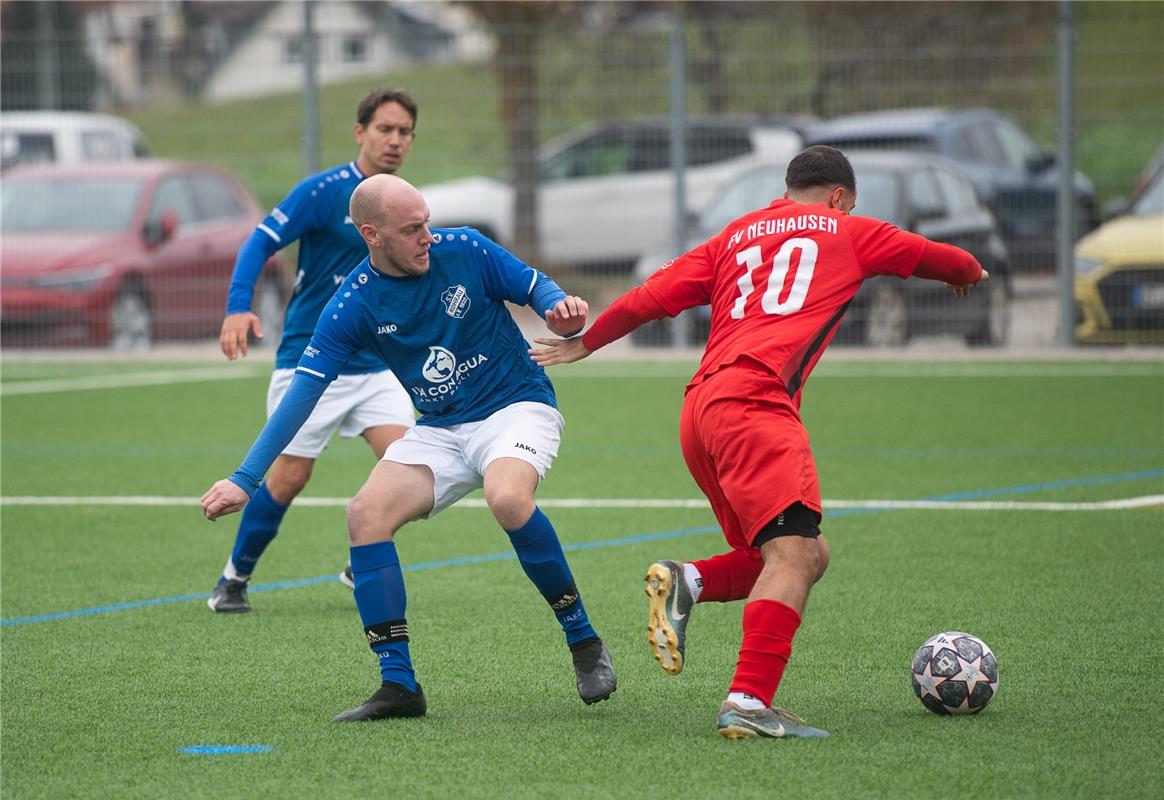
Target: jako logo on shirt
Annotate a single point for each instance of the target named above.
(456, 300)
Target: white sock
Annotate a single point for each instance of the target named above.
(694, 581)
(232, 574)
(746, 701)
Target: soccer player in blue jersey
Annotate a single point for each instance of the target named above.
(366, 399)
(431, 303)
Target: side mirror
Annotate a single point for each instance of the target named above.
(925, 214)
(1116, 208)
(1041, 161)
(158, 232)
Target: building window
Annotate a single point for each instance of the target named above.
(293, 50)
(355, 49)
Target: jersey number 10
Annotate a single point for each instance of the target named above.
(781, 263)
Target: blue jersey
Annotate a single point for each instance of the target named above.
(315, 214)
(447, 336)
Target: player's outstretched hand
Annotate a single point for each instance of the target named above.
(224, 497)
(962, 291)
(568, 317)
(558, 351)
(233, 338)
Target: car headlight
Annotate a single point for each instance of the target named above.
(1086, 265)
(81, 279)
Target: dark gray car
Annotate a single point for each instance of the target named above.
(1013, 176)
(924, 193)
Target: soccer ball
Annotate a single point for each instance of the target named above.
(954, 673)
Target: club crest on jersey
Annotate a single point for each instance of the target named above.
(439, 365)
(456, 300)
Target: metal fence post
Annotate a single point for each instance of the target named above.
(679, 336)
(1065, 245)
(310, 91)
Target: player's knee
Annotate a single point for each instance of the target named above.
(823, 557)
(511, 506)
(365, 524)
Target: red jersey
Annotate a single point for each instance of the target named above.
(779, 280)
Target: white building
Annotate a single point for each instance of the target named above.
(150, 51)
(353, 39)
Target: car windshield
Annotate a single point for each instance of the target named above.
(878, 195)
(73, 204)
(1152, 200)
(755, 189)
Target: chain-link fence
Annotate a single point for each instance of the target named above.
(549, 127)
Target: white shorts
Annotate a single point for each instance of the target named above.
(459, 454)
(351, 404)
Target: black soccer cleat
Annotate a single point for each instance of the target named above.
(229, 597)
(346, 577)
(594, 670)
(390, 701)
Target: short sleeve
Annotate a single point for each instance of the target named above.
(336, 338)
(297, 213)
(505, 276)
(684, 282)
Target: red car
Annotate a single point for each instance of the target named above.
(124, 254)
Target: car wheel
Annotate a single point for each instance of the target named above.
(995, 328)
(269, 306)
(131, 322)
(656, 333)
(886, 318)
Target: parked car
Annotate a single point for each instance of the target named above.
(67, 137)
(1016, 179)
(921, 192)
(604, 187)
(125, 253)
(1119, 274)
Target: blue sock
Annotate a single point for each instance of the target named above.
(258, 526)
(381, 601)
(541, 556)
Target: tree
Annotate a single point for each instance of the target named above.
(517, 26)
(43, 61)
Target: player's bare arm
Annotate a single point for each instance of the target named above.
(568, 316)
(558, 351)
(224, 497)
(233, 337)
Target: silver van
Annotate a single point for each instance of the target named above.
(68, 137)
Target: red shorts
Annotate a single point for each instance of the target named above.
(747, 449)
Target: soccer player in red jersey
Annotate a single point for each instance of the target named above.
(778, 281)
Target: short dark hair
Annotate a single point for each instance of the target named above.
(367, 108)
(820, 165)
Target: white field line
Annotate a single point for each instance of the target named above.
(125, 380)
(475, 502)
(621, 370)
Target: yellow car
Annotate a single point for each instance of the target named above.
(1119, 275)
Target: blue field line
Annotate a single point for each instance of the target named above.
(225, 749)
(1064, 484)
(603, 543)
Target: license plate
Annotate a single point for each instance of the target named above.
(1148, 297)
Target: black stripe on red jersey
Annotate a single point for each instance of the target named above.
(793, 384)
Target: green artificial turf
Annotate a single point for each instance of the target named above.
(101, 700)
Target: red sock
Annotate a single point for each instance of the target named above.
(729, 576)
(769, 626)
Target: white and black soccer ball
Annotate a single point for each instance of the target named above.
(954, 673)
